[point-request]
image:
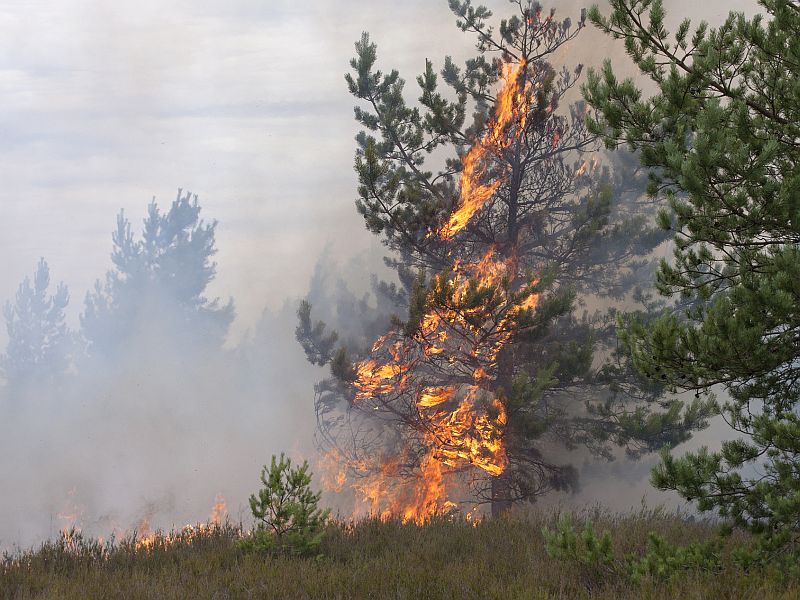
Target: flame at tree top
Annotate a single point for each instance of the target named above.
(440, 379)
(510, 112)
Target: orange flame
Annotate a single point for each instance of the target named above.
(143, 536)
(586, 166)
(470, 434)
(509, 111)
(219, 512)
(146, 538)
(375, 379)
(332, 467)
(380, 493)
(71, 515)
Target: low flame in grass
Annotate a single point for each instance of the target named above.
(145, 538)
(219, 512)
(459, 424)
(71, 515)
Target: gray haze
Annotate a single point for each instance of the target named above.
(104, 105)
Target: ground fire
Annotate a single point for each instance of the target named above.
(143, 536)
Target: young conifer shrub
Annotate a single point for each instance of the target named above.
(288, 519)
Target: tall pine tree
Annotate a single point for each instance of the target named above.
(155, 293)
(499, 364)
(721, 137)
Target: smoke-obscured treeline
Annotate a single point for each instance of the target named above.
(141, 411)
(146, 409)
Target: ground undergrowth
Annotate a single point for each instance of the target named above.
(445, 558)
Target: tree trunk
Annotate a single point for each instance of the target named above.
(500, 495)
(501, 488)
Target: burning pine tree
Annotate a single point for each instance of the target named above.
(493, 372)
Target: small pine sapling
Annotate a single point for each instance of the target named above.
(288, 520)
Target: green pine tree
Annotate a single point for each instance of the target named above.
(572, 229)
(39, 343)
(720, 136)
(156, 289)
(288, 519)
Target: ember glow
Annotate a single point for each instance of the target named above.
(442, 378)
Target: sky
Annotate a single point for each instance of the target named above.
(105, 105)
(243, 103)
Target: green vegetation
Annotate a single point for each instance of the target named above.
(498, 558)
(285, 509)
(661, 559)
(721, 138)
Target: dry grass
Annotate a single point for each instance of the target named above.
(503, 558)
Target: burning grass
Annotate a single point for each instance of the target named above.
(444, 558)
